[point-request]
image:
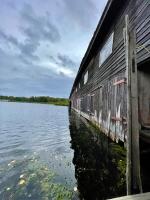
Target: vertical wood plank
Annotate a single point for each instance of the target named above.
(133, 156)
(128, 168)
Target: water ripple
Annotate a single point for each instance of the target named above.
(29, 126)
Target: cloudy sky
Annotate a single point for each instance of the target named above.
(42, 44)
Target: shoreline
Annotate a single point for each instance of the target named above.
(49, 103)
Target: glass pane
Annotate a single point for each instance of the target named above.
(107, 49)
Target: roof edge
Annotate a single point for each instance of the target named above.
(102, 18)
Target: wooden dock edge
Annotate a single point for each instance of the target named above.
(141, 196)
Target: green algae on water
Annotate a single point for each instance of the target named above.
(36, 181)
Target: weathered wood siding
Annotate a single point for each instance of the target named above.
(142, 25)
(103, 98)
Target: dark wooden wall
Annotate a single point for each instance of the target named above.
(103, 98)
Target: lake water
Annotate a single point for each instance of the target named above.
(46, 153)
(34, 147)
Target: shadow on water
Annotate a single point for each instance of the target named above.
(99, 163)
(145, 165)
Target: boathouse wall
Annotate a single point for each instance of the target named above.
(102, 98)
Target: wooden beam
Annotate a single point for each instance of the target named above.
(133, 157)
(144, 196)
(128, 168)
(136, 177)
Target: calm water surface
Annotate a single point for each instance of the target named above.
(46, 154)
(34, 145)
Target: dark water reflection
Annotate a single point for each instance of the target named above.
(145, 166)
(99, 163)
(41, 159)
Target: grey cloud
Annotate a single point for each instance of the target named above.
(8, 38)
(19, 74)
(18, 79)
(28, 59)
(27, 48)
(38, 28)
(11, 4)
(10, 66)
(66, 61)
(83, 12)
(52, 58)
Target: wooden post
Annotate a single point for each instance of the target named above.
(133, 156)
(128, 168)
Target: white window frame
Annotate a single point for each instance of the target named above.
(86, 77)
(107, 49)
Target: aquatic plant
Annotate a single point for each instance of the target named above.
(36, 181)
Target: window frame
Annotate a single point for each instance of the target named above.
(86, 76)
(105, 51)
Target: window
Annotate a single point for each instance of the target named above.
(92, 103)
(86, 77)
(106, 49)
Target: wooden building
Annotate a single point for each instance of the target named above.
(112, 86)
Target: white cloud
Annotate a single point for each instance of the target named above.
(58, 69)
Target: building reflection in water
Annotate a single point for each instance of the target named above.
(99, 163)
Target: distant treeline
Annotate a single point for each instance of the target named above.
(40, 99)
